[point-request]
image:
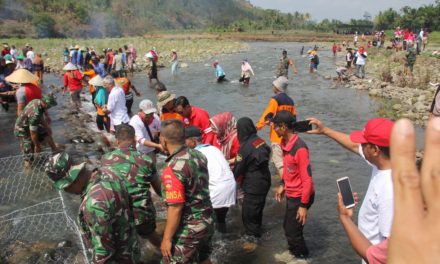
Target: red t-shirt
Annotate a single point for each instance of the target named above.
(297, 174)
(110, 57)
(74, 82)
(173, 187)
(200, 118)
(32, 92)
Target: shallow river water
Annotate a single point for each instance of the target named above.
(340, 108)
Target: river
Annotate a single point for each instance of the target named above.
(340, 108)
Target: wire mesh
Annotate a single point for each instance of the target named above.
(36, 226)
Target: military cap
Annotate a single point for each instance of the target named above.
(50, 100)
(60, 170)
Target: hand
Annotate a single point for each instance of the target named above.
(319, 126)
(301, 215)
(416, 195)
(343, 211)
(279, 194)
(165, 248)
(137, 94)
(37, 148)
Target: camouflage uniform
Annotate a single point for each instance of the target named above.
(185, 180)
(30, 120)
(138, 171)
(105, 217)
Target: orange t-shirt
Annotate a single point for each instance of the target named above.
(167, 116)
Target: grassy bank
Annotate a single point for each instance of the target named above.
(188, 49)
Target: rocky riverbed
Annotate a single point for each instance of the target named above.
(402, 96)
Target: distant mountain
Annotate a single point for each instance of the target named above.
(105, 18)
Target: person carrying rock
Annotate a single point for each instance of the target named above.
(32, 128)
(105, 218)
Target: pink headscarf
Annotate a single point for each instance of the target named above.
(226, 127)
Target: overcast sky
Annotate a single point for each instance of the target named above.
(337, 9)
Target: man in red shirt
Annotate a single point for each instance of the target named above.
(73, 81)
(297, 182)
(198, 117)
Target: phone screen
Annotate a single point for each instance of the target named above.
(345, 189)
(302, 126)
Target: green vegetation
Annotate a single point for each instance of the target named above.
(116, 18)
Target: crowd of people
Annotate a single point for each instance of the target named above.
(210, 160)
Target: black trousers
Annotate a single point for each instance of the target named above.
(103, 122)
(252, 213)
(220, 214)
(293, 229)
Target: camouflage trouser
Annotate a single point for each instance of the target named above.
(191, 244)
(145, 219)
(26, 145)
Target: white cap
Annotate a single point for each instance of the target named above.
(147, 106)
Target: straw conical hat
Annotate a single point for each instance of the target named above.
(22, 76)
(69, 67)
(97, 81)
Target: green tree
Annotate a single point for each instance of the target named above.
(44, 25)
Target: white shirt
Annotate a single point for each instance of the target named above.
(360, 60)
(221, 179)
(117, 108)
(376, 213)
(30, 55)
(142, 133)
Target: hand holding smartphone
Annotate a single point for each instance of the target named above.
(302, 126)
(346, 192)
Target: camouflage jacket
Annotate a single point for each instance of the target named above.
(29, 119)
(138, 171)
(185, 180)
(106, 220)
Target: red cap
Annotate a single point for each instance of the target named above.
(377, 131)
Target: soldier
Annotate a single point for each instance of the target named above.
(32, 128)
(105, 217)
(189, 227)
(138, 170)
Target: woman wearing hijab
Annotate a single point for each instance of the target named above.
(246, 71)
(252, 162)
(225, 126)
(100, 99)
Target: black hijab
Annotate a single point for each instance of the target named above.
(245, 129)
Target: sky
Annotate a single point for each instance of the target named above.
(342, 10)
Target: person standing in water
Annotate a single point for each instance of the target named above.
(246, 72)
(174, 63)
(219, 73)
(283, 67)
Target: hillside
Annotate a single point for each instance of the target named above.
(110, 18)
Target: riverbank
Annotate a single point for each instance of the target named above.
(401, 95)
(189, 50)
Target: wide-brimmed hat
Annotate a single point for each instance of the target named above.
(60, 170)
(22, 76)
(77, 47)
(9, 62)
(173, 50)
(69, 67)
(147, 106)
(164, 97)
(71, 48)
(97, 81)
(27, 44)
(50, 100)
(20, 57)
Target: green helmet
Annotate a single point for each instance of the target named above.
(50, 100)
(60, 170)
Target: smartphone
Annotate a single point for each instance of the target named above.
(302, 126)
(345, 190)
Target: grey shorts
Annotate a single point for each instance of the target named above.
(74, 96)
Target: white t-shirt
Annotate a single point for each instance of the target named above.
(221, 179)
(142, 133)
(117, 108)
(376, 213)
(30, 55)
(360, 60)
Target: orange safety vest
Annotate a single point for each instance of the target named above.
(277, 103)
